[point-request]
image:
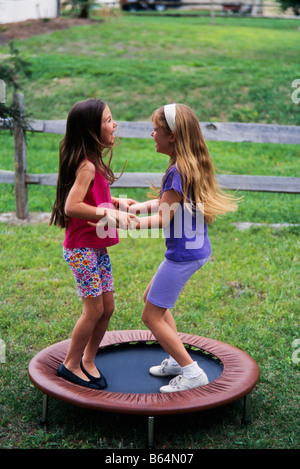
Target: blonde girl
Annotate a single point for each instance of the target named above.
(83, 196)
(189, 199)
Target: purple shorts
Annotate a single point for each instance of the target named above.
(91, 269)
(170, 279)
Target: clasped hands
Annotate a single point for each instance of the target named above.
(125, 219)
(119, 216)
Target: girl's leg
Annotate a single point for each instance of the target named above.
(191, 374)
(170, 320)
(168, 317)
(101, 327)
(91, 313)
(159, 321)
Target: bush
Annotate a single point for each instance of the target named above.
(294, 4)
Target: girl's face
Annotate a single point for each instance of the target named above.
(164, 143)
(108, 126)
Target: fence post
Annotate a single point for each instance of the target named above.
(20, 163)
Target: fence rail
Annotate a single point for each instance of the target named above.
(212, 131)
(289, 185)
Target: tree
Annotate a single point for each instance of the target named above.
(294, 4)
(84, 8)
(80, 8)
(10, 70)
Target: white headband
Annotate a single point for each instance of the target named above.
(170, 115)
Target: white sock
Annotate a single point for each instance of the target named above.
(172, 361)
(192, 371)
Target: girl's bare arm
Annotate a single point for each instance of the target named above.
(76, 207)
(167, 207)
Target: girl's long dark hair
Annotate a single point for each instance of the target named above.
(82, 140)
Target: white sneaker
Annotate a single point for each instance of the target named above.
(164, 369)
(181, 383)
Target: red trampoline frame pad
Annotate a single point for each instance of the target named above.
(240, 375)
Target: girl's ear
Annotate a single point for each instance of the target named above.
(172, 137)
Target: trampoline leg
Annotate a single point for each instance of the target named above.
(150, 432)
(43, 421)
(246, 416)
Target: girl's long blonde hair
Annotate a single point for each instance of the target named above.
(194, 163)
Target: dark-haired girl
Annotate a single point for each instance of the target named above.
(83, 196)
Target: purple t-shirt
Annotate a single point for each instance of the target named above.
(186, 236)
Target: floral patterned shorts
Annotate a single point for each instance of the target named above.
(91, 269)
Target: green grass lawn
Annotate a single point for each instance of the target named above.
(239, 69)
(247, 295)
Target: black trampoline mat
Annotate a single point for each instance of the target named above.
(126, 367)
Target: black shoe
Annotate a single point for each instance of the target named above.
(63, 372)
(100, 380)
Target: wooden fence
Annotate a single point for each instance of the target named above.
(228, 132)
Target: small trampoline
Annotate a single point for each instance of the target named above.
(125, 357)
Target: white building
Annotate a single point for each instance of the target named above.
(13, 11)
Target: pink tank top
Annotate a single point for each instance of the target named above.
(79, 234)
